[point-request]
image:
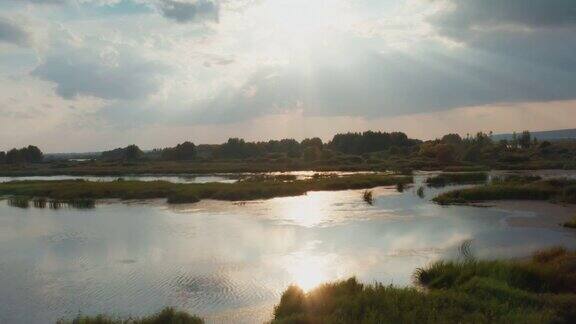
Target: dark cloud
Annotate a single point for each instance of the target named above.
(14, 34)
(42, 1)
(540, 32)
(467, 14)
(190, 11)
(80, 73)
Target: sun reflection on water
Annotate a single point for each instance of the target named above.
(307, 270)
(310, 211)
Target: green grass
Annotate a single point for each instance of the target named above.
(77, 190)
(448, 178)
(558, 190)
(539, 290)
(166, 316)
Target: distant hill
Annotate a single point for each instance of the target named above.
(553, 135)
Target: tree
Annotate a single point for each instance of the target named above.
(525, 139)
(451, 139)
(132, 152)
(445, 153)
(14, 156)
(311, 153)
(29, 154)
(368, 142)
(184, 151)
(316, 142)
(32, 154)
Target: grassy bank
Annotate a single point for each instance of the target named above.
(539, 290)
(165, 316)
(448, 178)
(187, 193)
(558, 190)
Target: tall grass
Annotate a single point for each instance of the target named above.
(539, 290)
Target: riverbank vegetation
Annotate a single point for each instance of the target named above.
(539, 290)
(367, 151)
(166, 316)
(79, 190)
(514, 188)
(449, 178)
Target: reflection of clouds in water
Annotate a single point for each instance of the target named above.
(218, 257)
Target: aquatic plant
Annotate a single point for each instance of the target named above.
(420, 192)
(368, 197)
(19, 202)
(168, 315)
(40, 202)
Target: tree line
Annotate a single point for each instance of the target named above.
(382, 145)
(29, 154)
(345, 148)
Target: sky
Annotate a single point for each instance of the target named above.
(89, 75)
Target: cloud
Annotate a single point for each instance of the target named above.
(124, 76)
(42, 1)
(468, 14)
(539, 32)
(190, 11)
(12, 33)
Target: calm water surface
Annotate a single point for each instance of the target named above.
(230, 262)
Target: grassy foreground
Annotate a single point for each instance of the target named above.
(558, 190)
(165, 316)
(74, 190)
(539, 290)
